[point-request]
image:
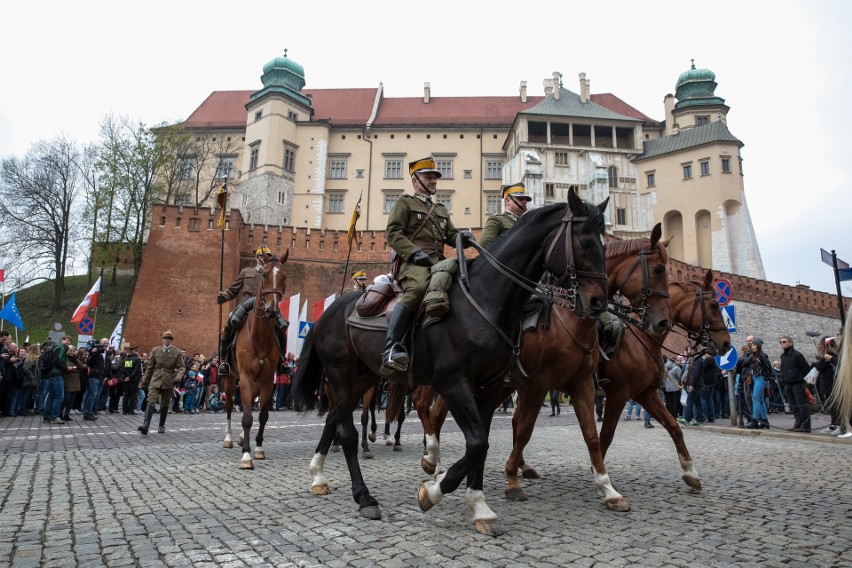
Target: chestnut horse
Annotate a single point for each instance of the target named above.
(562, 353)
(474, 341)
(256, 358)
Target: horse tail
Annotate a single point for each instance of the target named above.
(308, 378)
(841, 393)
(396, 399)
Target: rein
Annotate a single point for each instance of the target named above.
(647, 291)
(259, 313)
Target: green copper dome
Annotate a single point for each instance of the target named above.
(285, 76)
(697, 87)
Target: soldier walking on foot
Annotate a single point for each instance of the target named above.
(165, 369)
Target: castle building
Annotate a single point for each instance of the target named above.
(305, 157)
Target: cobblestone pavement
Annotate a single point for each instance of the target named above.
(99, 494)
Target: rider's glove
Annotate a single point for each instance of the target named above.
(420, 258)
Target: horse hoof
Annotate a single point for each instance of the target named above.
(397, 448)
(320, 490)
(423, 498)
(620, 504)
(228, 444)
(240, 440)
(389, 441)
(693, 482)
(371, 512)
(490, 528)
(372, 437)
(528, 472)
(367, 455)
(246, 464)
(259, 455)
(516, 494)
(427, 467)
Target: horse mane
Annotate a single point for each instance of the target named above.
(617, 247)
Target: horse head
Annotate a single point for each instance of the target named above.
(694, 307)
(579, 265)
(273, 283)
(638, 270)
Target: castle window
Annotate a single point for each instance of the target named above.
(282, 197)
(494, 169)
(705, 167)
(445, 199)
(195, 224)
(726, 165)
(445, 167)
(651, 179)
(162, 221)
(390, 201)
(560, 159)
(468, 174)
(258, 115)
(492, 204)
(549, 190)
(254, 154)
(359, 173)
(177, 222)
(225, 169)
(337, 169)
(292, 115)
(393, 169)
(620, 216)
(702, 120)
(335, 202)
(612, 173)
(186, 168)
(687, 171)
(289, 158)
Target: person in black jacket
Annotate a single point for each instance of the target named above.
(794, 367)
(694, 387)
(826, 366)
(100, 368)
(129, 374)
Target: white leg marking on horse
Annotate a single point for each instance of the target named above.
(604, 486)
(316, 470)
(246, 458)
(228, 430)
(433, 489)
(389, 440)
(475, 499)
(439, 476)
(688, 469)
(433, 449)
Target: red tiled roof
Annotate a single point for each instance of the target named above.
(615, 104)
(346, 107)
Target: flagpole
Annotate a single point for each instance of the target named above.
(351, 235)
(222, 225)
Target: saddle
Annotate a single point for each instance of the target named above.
(375, 306)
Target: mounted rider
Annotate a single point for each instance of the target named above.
(359, 279)
(515, 201)
(244, 290)
(417, 231)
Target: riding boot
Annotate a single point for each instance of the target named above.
(395, 357)
(164, 411)
(146, 423)
(281, 326)
(227, 337)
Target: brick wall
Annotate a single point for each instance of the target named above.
(179, 279)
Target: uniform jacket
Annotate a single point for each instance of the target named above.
(130, 368)
(408, 213)
(495, 226)
(164, 368)
(245, 286)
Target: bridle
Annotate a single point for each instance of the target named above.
(571, 273)
(702, 336)
(258, 311)
(623, 311)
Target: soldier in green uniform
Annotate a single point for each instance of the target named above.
(417, 230)
(515, 200)
(165, 369)
(244, 290)
(359, 280)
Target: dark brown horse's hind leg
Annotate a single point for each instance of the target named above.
(348, 436)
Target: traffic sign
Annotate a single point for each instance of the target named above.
(727, 361)
(724, 291)
(86, 326)
(304, 328)
(830, 257)
(729, 315)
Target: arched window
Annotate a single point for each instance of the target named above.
(612, 171)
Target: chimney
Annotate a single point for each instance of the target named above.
(584, 88)
(668, 108)
(426, 92)
(556, 76)
(523, 91)
(548, 86)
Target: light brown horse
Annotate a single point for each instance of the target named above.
(562, 353)
(257, 356)
(637, 371)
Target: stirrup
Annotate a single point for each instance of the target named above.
(224, 369)
(395, 359)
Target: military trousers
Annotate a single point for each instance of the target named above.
(414, 280)
(155, 396)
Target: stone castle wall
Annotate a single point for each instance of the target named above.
(179, 280)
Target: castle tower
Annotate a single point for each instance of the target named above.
(695, 176)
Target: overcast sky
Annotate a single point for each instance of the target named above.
(782, 66)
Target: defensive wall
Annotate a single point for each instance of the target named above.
(180, 277)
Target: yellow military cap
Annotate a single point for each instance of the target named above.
(517, 190)
(262, 250)
(423, 166)
(167, 334)
(359, 274)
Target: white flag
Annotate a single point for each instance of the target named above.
(329, 301)
(293, 330)
(115, 338)
(303, 320)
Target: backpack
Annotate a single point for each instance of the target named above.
(47, 360)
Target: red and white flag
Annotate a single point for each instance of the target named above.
(89, 303)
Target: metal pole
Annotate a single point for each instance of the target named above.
(221, 284)
(732, 398)
(837, 284)
(345, 271)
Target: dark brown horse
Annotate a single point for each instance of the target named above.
(562, 353)
(256, 357)
(474, 342)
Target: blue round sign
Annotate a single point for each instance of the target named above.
(86, 326)
(724, 291)
(727, 361)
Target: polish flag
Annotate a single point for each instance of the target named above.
(89, 303)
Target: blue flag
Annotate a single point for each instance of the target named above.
(11, 314)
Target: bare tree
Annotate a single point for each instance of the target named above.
(38, 199)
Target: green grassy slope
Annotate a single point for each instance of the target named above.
(34, 303)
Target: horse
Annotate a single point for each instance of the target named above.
(841, 391)
(473, 340)
(256, 358)
(636, 372)
(562, 353)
